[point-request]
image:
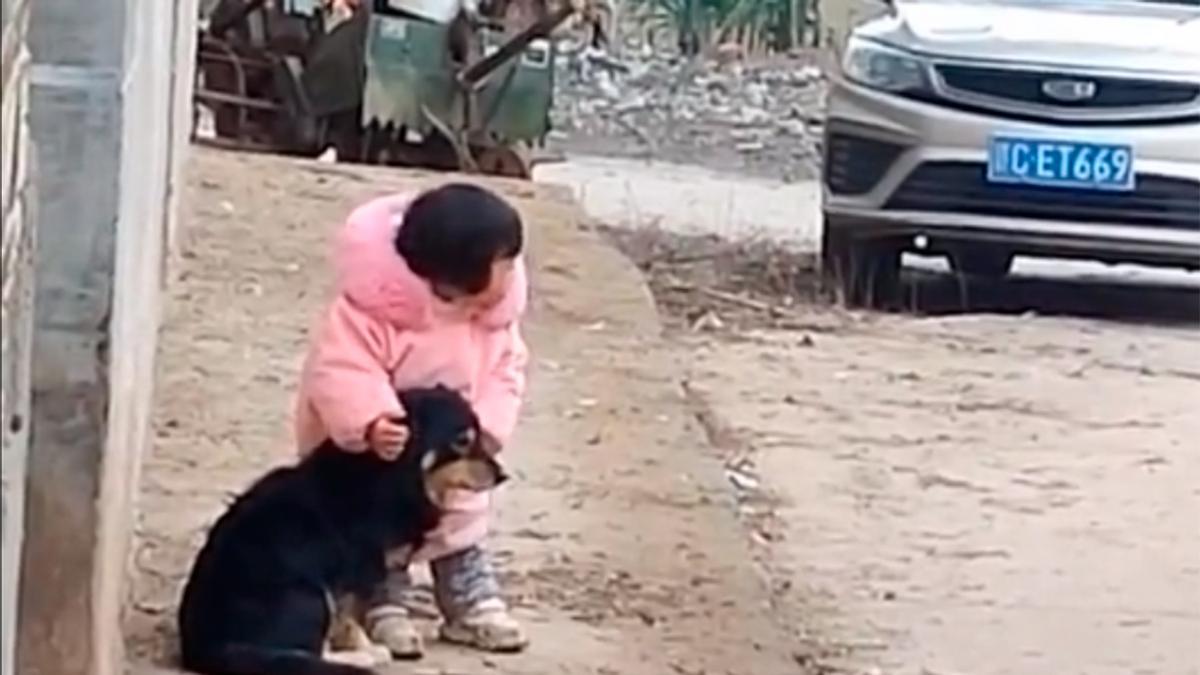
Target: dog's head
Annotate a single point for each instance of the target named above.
(447, 443)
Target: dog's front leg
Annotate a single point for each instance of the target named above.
(347, 641)
(343, 624)
(378, 655)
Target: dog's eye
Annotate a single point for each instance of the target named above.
(462, 444)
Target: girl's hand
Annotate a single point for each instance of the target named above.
(387, 435)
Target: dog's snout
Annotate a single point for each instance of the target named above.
(499, 475)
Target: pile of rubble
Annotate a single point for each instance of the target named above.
(761, 118)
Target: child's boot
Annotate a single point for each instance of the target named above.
(487, 626)
(468, 595)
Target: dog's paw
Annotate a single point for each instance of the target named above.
(367, 657)
(380, 653)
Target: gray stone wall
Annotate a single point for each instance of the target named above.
(107, 84)
(16, 307)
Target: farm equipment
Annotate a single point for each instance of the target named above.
(430, 83)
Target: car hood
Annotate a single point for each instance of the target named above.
(1139, 37)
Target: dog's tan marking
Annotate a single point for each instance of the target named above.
(462, 474)
(375, 655)
(347, 641)
(342, 623)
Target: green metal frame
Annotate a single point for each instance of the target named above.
(409, 71)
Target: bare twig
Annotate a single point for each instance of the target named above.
(674, 258)
(640, 134)
(787, 319)
(732, 299)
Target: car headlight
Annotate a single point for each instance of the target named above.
(880, 67)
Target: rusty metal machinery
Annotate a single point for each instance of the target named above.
(381, 85)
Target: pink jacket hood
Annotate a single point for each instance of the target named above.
(374, 277)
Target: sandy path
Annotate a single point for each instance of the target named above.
(979, 495)
(1011, 492)
(617, 541)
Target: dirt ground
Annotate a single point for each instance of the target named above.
(1010, 491)
(618, 541)
(768, 486)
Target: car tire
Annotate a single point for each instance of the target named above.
(982, 262)
(863, 272)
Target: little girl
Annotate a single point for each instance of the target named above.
(430, 290)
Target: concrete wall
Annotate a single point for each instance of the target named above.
(183, 75)
(16, 307)
(105, 100)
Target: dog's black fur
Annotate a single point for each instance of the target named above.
(257, 600)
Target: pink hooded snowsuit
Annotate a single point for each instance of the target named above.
(386, 330)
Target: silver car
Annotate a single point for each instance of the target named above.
(984, 129)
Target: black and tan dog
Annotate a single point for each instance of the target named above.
(265, 591)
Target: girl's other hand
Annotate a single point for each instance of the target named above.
(387, 435)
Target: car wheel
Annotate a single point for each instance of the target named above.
(864, 272)
(982, 262)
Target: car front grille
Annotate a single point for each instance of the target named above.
(853, 164)
(1027, 87)
(962, 187)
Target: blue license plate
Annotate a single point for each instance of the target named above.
(1066, 164)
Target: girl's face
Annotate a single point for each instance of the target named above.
(502, 271)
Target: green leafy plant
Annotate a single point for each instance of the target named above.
(759, 25)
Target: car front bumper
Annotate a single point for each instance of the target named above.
(896, 166)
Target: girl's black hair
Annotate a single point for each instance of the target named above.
(453, 234)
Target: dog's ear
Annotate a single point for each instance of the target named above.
(488, 443)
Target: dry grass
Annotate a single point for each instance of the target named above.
(704, 281)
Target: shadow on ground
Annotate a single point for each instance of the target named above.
(706, 282)
(1168, 301)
